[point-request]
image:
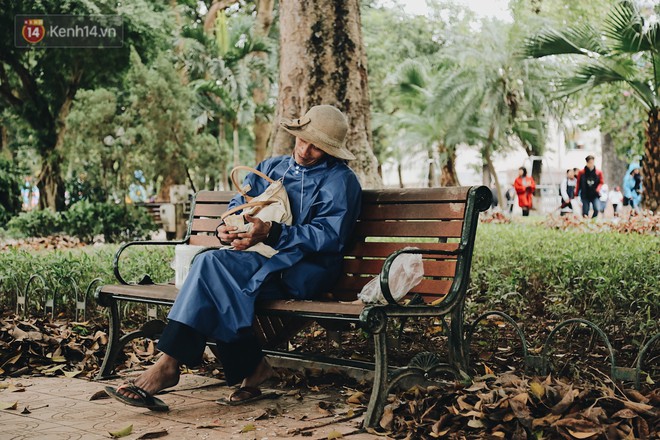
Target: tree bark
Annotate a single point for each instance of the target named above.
(430, 176)
(261, 126)
(50, 182)
(448, 176)
(612, 166)
(323, 61)
(651, 163)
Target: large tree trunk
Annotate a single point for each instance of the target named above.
(323, 61)
(612, 166)
(261, 127)
(651, 163)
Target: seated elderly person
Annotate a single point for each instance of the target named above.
(217, 300)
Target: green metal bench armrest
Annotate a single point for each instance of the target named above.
(385, 271)
(146, 279)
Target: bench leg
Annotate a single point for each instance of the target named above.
(456, 340)
(116, 344)
(111, 350)
(381, 386)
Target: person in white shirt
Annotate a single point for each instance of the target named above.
(567, 192)
(616, 199)
(604, 190)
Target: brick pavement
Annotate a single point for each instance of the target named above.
(60, 409)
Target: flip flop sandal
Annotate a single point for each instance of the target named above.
(146, 400)
(253, 393)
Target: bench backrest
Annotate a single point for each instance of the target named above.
(429, 218)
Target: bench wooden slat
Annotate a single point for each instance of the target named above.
(382, 249)
(355, 284)
(165, 292)
(205, 224)
(214, 196)
(450, 229)
(431, 268)
(324, 307)
(450, 194)
(404, 211)
(205, 210)
(204, 240)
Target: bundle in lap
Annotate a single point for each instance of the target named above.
(270, 206)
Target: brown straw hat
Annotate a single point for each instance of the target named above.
(325, 126)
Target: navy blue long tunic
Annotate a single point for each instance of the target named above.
(218, 296)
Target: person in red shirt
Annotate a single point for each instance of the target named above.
(525, 187)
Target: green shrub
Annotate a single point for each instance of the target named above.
(66, 271)
(530, 271)
(115, 221)
(125, 223)
(36, 223)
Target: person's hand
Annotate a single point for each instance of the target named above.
(225, 233)
(257, 234)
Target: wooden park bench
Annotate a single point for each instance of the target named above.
(390, 220)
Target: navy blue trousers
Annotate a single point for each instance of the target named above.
(239, 358)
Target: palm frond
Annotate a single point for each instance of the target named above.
(606, 71)
(411, 78)
(582, 41)
(625, 28)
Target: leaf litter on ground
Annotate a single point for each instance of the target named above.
(511, 407)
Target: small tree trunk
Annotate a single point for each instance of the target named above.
(51, 184)
(430, 177)
(448, 176)
(493, 173)
(399, 174)
(651, 163)
(323, 61)
(237, 159)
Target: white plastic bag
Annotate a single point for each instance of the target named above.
(406, 272)
(183, 256)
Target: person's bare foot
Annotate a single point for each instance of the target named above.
(263, 372)
(163, 374)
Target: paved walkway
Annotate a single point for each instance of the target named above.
(60, 408)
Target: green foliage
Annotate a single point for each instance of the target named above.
(116, 222)
(36, 223)
(85, 220)
(10, 191)
(69, 271)
(611, 279)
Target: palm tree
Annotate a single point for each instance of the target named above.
(222, 68)
(626, 52)
(502, 96)
(426, 124)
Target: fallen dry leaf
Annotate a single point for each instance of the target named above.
(335, 434)
(153, 434)
(99, 395)
(249, 427)
(356, 398)
(122, 432)
(8, 405)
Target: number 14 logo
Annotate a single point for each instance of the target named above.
(33, 30)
